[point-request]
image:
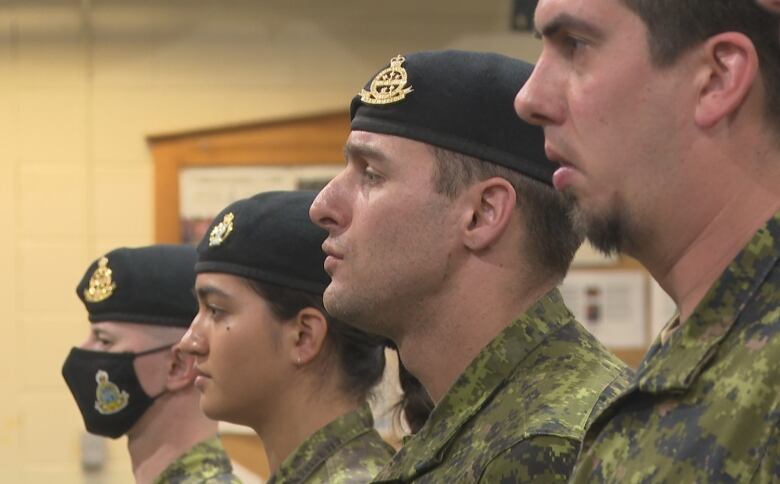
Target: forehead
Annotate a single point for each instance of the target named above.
(567, 13)
(385, 148)
(121, 331)
(221, 285)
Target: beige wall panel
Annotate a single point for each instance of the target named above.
(51, 43)
(45, 344)
(9, 124)
(52, 124)
(52, 200)
(50, 431)
(106, 244)
(520, 45)
(48, 274)
(123, 117)
(258, 104)
(7, 46)
(122, 200)
(10, 422)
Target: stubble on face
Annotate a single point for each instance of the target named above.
(606, 231)
(405, 269)
(395, 251)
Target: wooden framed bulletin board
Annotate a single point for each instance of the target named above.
(234, 152)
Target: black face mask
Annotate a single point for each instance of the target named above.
(107, 390)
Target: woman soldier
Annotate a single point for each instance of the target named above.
(268, 354)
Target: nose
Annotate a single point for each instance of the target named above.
(538, 101)
(194, 341)
(329, 208)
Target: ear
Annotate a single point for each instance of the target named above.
(305, 336)
(181, 369)
(490, 205)
(729, 72)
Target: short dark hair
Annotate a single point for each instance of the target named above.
(360, 355)
(552, 239)
(677, 25)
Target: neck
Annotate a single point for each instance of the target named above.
(168, 429)
(687, 257)
(468, 317)
(295, 419)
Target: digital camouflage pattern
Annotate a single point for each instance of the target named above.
(346, 451)
(206, 463)
(519, 410)
(705, 405)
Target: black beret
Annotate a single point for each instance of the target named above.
(147, 285)
(461, 101)
(269, 238)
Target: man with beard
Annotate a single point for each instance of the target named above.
(665, 118)
(445, 236)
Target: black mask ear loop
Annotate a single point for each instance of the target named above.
(149, 352)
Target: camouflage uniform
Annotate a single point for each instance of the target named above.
(206, 463)
(518, 412)
(705, 404)
(347, 450)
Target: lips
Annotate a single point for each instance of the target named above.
(333, 257)
(201, 377)
(200, 372)
(330, 250)
(563, 176)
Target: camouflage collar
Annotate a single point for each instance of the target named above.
(484, 376)
(674, 365)
(202, 462)
(322, 444)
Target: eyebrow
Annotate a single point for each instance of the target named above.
(354, 150)
(205, 291)
(567, 22)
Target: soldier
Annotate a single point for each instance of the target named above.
(446, 237)
(129, 377)
(270, 357)
(665, 118)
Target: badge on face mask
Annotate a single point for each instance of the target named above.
(108, 397)
(107, 390)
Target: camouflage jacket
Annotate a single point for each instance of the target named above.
(346, 451)
(206, 463)
(519, 410)
(705, 404)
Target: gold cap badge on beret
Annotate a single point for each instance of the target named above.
(389, 86)
(221, 231)
(101, 285)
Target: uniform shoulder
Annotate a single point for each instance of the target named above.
(543, 458)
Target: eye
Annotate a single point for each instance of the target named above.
(573, 44)
(370, 176)
(214, 311)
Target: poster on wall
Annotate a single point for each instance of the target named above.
(204, 191)
(610, 304)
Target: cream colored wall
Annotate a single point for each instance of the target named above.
(81, 85)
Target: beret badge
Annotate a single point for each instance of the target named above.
(222, 230)
(101, 284)
(389, 86)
